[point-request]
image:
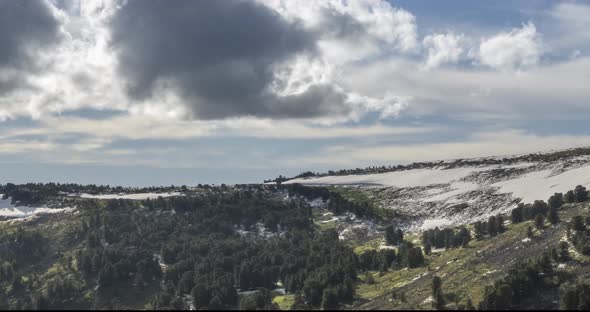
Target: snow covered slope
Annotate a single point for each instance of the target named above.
(449, 195)
(8, 210)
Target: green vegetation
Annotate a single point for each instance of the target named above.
(247, 248)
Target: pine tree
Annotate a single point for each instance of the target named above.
(41, 303)
(539, 221)
(492, 226)
(556, 200)
(469, 305)
(427, 248)
(516, 215)
(390, 235)
(553, 217)
(438, 299)
(563, 251)
(569, 300)
(329, 299)
(569, 197)
(503, 297)
(580, 194)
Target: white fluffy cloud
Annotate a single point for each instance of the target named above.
(367, 51)
(82, 71)
(519, 48)
(442, 48)
(348, 31)
(376, 21)
(79, 72)
(551, 91)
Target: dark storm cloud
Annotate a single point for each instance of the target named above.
(219, 55)
(25, 26)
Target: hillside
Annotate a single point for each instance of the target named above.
(449, 236)
(448, 193)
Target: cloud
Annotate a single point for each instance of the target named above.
(277, 59)
(442, 48)
(25, 26)
(219, 56)
(77, 70)
(549, 92)
(572, 21)
(519, 48)
(330, 61)
(152, 128)
(28, 29)
(352, 30)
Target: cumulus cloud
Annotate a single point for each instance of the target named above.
(219, 55)
(519, 48)
(276, 59)
(442, 48)
(28, 29)
(352, 30)
(332, 61)
(25, 27)
(77, 69)
(550, 91)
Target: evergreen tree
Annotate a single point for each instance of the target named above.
(329, 299)
(201, 296)
(569, 300)
(563, 251)
(492, 226)
(438, 299)
(516, 214)
(390, 238)
(427, 248)
(539, 221)
(469, 305)
(580, 194)
(503, 297)
(569, 197)
(578, 224)
(556, 200)
(553, 216)
(41, 303)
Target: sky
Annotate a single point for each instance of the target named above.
(161, 92)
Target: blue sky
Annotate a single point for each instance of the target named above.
(154, 93)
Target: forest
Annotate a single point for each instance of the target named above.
(238, 247)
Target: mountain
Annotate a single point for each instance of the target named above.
(488, 233)
(450, 193)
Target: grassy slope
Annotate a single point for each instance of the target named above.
(465, 272)
(63, 232)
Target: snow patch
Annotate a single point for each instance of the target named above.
(8, 210)
(451, 197)
(406, 178)
(542, 184)
(133, 196)
(432, 223)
